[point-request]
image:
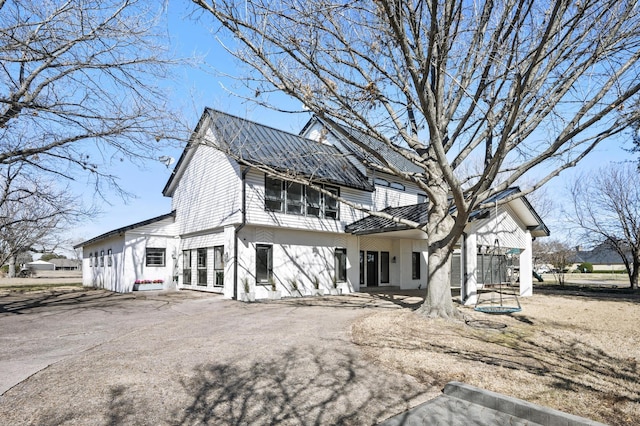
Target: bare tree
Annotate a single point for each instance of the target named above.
(32, 214)
(80, 86)
(607, 209)
(558, 254)
(524, 88)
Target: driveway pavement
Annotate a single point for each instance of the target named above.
(94, 357)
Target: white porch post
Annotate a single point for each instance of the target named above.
(526, 268)
(469, 287)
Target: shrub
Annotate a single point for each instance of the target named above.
(585, 267)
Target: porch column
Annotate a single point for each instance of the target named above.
(469, 286)
(526, 267)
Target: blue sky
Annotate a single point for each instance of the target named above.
(196, 89)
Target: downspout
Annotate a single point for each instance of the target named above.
(237, 232)
(463, 260)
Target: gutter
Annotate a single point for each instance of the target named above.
(237, 232)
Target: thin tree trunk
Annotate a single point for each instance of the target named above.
(12, 267)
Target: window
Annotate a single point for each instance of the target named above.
(295, 198)
(331, 207)
(397, 185)
(361, 267)
(109, 258)
(313, 202)
(384, 267)
(90, 259)
(101, 257)
(273, 194)
(341, 264)
(415, 265)
(380, 182)
(422, 198)
(186, 267)
(95, 259)
(218, 266)
(155, 256)
(264, 263)
(202, 266)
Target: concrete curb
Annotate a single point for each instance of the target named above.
(464, 404)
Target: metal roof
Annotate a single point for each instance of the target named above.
(392, 156)
(375, 224)
(418, 213)
(256, 144)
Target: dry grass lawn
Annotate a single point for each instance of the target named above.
(578, 354)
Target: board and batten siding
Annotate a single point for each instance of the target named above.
(509, 231)
(209, 193)
(258, 215)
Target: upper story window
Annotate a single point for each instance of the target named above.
(273, 194)
(296, 198)
(381, 182)
(397, 185)
(422, 198)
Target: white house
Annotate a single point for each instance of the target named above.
(234, 228)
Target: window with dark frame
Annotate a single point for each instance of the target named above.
(331, 207)
(218, 266)
(415, 265)
(295, 198)
(154, 256)
(313, 198)
(273, 194)
(361, 267)
(101, 257)
(186, 267)
(202, 266)
(341, 264)
(299, 199)
(384, 267)
(422, 198)
(91, 260)
(264, 263)
(109, 257)
(95, 259)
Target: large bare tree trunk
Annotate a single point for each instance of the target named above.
(440, 228)
(12, 267)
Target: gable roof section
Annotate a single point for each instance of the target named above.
(418, 213)
(126, 228)
(251, 143)
(365, 157)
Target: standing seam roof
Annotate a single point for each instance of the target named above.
(255, 143)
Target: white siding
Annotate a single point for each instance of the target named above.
(507, 229)
(209, 193)
(387, 196)
(299, 255)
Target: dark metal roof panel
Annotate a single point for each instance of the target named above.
(254, 143)
(374, 224)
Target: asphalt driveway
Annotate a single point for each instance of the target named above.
(94, 357)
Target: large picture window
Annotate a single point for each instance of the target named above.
(155, 256)
(295, 198)
(218, 266)
(341, 264)
(415, 265)
(186, 267)
(264, 263)
(202, 266)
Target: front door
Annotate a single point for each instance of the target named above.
(372, 269)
